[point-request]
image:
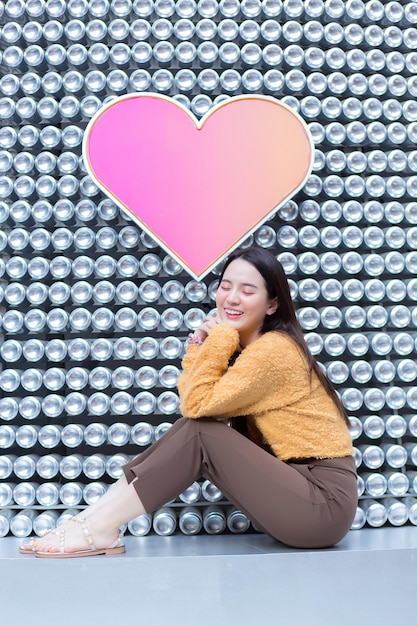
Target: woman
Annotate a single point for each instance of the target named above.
(290, 469)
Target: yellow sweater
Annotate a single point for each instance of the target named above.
(270, 384)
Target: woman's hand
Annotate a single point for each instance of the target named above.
(210, 321)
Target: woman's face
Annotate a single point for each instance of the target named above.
(242, 300)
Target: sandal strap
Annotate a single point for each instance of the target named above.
(86, 531)
(61, 541)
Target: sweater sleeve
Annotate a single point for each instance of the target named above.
(208, 387)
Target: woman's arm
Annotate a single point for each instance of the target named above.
(209, 388)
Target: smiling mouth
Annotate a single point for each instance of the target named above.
(233, 313)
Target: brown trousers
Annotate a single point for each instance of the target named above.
(305, 505)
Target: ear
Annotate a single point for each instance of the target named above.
(272, 307)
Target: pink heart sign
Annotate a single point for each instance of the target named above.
(199, 188)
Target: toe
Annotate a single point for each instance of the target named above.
(28, 546)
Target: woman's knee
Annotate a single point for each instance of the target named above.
(198, 423)
(185, 424)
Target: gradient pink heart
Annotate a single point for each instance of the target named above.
(199, 188)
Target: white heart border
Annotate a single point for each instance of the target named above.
(198, 124)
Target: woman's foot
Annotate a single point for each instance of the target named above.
(96, 530)
(77, 535)
(31, 544)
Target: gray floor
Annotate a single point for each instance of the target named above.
(369, 579)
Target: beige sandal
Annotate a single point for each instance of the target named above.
(116, 548)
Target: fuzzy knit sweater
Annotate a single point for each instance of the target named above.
(269, 383)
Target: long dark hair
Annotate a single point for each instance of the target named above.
(284, 319)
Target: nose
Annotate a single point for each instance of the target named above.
(233, 296)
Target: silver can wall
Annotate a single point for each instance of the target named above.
(94, 315)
